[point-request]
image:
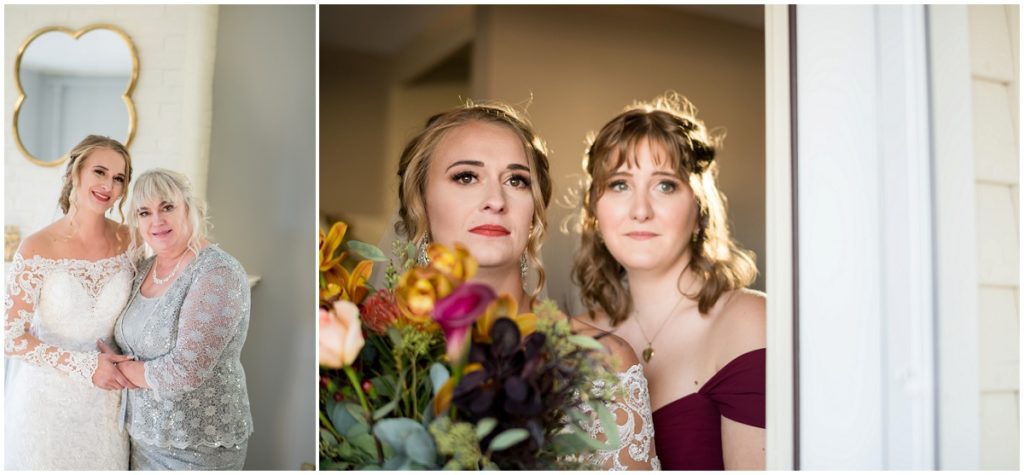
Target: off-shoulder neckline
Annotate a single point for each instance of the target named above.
(65, 260)
(713, 377)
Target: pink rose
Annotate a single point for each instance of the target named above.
(341, 337)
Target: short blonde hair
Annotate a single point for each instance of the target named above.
(165, 185)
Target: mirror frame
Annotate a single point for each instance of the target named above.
(75, 34)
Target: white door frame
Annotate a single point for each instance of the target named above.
(851, 377)
(780, 375)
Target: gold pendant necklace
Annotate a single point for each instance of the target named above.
(648, 352)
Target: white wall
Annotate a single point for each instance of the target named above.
(995, 61)
(262, 203)
(172, 97)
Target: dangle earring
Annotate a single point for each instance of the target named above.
(421, 254)
(524, 267)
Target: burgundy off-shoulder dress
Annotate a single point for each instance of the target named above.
(688, 431)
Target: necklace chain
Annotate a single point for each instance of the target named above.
(157, 280)
(649, 351)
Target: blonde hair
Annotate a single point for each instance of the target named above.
(159, 185)
(668, 124)
(76, 159)
(415, 160)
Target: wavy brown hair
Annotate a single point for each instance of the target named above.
(670, 126)
(413, 221)
(77, 156)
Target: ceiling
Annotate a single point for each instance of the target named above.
(384, 29)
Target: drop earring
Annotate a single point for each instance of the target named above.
(421, 255)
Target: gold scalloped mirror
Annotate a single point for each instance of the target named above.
(72, 83)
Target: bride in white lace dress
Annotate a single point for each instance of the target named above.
(631, 408)
(67, 284)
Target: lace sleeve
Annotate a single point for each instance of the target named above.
(23, 286)
(632, 411)
(209, 317)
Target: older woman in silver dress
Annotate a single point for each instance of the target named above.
(185, 323)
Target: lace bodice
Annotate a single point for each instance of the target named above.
(56, 309)
(632, 411)
(190, 339)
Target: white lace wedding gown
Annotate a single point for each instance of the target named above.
(56, 309)
(634, 423)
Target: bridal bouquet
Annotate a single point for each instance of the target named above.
(434, 371)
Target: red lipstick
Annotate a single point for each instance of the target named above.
(491, 230)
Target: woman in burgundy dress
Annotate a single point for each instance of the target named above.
(657, 266)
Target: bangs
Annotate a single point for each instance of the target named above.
(155, 187)
(624, 150)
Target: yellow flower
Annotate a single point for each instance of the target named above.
(417, 292)
(353, 285)
(458, 265)
(338, 282)
(503, 306)
(330, 244)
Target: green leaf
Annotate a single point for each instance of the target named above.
(420, 448)
(395, 335)
(396, 462)
(366, 443)
(485, 426)
(327, 438)
(508, 438)
(368, 251)
(584, 341)
(394, 432)
(356, 412)
(357, 430)
(569, 443)
(438, 376)
(340, 417)
(385, 409)
(607, 424)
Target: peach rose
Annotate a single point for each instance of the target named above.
(341, 337)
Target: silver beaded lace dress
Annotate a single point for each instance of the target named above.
(634, 424)
(56, 309)
(195, 414)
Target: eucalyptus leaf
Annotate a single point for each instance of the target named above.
(438, 376)
(485, 426)
(384, 410)
(368, 251)
(327, 438)
(584, 341)
(340, 417)
(508, 438)
(366, 443)
(356, 412)
(356, 430)
(419, 446)
(393, 432)
(396, 462)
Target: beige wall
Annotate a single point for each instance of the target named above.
(582, 65)
(995, 62)
(353, 136)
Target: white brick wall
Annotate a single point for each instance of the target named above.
(994, 34)
(176, 46)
